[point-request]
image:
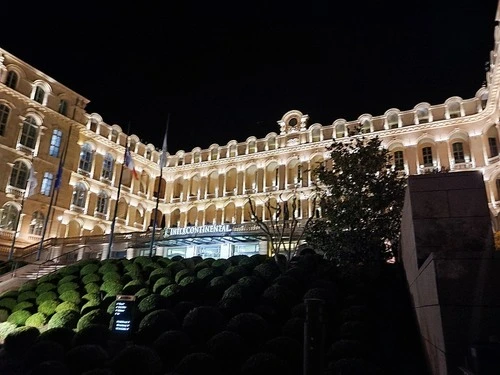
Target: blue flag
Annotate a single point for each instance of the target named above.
(57, 184)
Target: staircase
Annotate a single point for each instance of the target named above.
(13, 280)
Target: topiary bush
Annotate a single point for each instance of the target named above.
(182, 274)
(173, 293)
(268, 271)
(19, 317)
(8, 303)
(154, 324)
(92, 288)
(20, 339)
(48, 308)
(91, 278)
(46, 296)
(111, 287)
(252, 327)
(136, 359)
(88, 269)
(4, 314)
(157, 274)
(83, 358)
(203, 322)
(161, 283)
(111, 276)
(67, 286)
(42, 352)
(65, 319)
(67, 279)
(92, 334)
(172, 346)
(45, 287)
(132, 287)
(226, 342)
(37, 320)
(6, 328)
(63, 306)
(108, 265)
(287, 349)
(72, 296)
(72, 269)
(25, 305)
(90, 306)
(151, 303)
(175, 267)
(264, 364)
(99, 317)
(60, 335)
(29, 285)
(234, 273)
(198, 363)
(29, 295)
(207, 274)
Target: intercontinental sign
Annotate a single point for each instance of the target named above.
(214, 229)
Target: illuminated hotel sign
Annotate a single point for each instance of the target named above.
(223, 228)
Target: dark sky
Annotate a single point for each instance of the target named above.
(230, 70)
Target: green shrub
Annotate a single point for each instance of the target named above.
(143, 260)
(111, 276)
(48, 307)
(155, 323)
(132, 287)
(161, 283)
(20, 339)
(9, 294)
(202, 322)
(68, 279)
(92, 334)
(108, 266)
(29, 285)
(45, 287)
(99, 317)
(236, 259)
(163, 261)
(142, 293)
(71, 296)
(66, 319)
(46, 296)
(110, 309)
(19, 317)
(130, 276)
(207, 274)
(171, 291)
(236, 272)
(157, 274)
(191, 281)
(4, 314)
(24, 305)
(91, 278)
(67, 286)
(133, 268)
(89, 306)
(151, 303)
(92, 288)
(60, 335)
(29, 295)
(268, 271)
(223, 264)
(91, 297)
(49, 278)
(63, 306)
(8, 302)
(72, 269)
(85, 358)
(37, 320)
(183, 273)
(89, 269)
(203, 264)
(252, 327)
(111, 287)
(175, 267)
(6, 328)
(137, 359)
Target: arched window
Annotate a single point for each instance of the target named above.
(114, 135)
(132, 145)
(9, 216)
(399, 161)
(19, 175)
(55, 143)
(29, 132)
(39, 95)
(214, 153)
(392, 120)
(86, 157)
(36, 224)
(365, 127)
(93, 125)
(79, 195)
(12, 79)
(454, 109)
(251, 147)
(102, 202)
(4, 118)
(63, 107)
(316, 135)
(107, 166)
(427, 156)
(148, 154)
(271, 143)
(340, 131)
(458, 152)
(47, 183)
(423, 115)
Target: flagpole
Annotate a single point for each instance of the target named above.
(162, 164)
(107, 254)
(55, 186)
(18, 218)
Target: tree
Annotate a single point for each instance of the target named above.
(361, 202)
(283, 227)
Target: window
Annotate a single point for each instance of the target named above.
(55, 143)
(39, 95)
(251, 147)
(492, 143)
(365, 127)
(36, 224)
(454, 109)
(232, 151)
(399, 162)
(316, 135)
(4, 117)
(12, 79)
(458, 152)
(86, 157)
(427, 156)
(93, 125)
(132, 145)
(213, 154)
(340, 131)
(47, 183)
(102, 202)
(79, 195)
(29, 132)
(107, 167)
(423, 115)
(148, 154)
(63, 107)
(8, 217)
(19, 175)
(196, 157)
(392, 120)
(271, 143)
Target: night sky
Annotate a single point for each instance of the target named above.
(230, 71)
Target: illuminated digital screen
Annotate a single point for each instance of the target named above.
(123, 314)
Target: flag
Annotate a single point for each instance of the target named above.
(129, 163)
(32, 182)
(57, 184)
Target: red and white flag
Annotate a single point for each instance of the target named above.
(129, 163)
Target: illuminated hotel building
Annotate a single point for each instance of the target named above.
(203, 205)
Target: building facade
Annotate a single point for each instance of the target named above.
(56, 155)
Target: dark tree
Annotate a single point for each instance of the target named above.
(362, 198)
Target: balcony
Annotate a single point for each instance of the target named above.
(270, 188)
(462, 166)
(74, 208)
(16, 192)
(494, 159)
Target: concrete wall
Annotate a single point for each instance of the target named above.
(451, 267)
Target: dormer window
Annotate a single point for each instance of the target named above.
(39, 95)
(423, 115)
(454, 109)
(365, 127)
(63, 107)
